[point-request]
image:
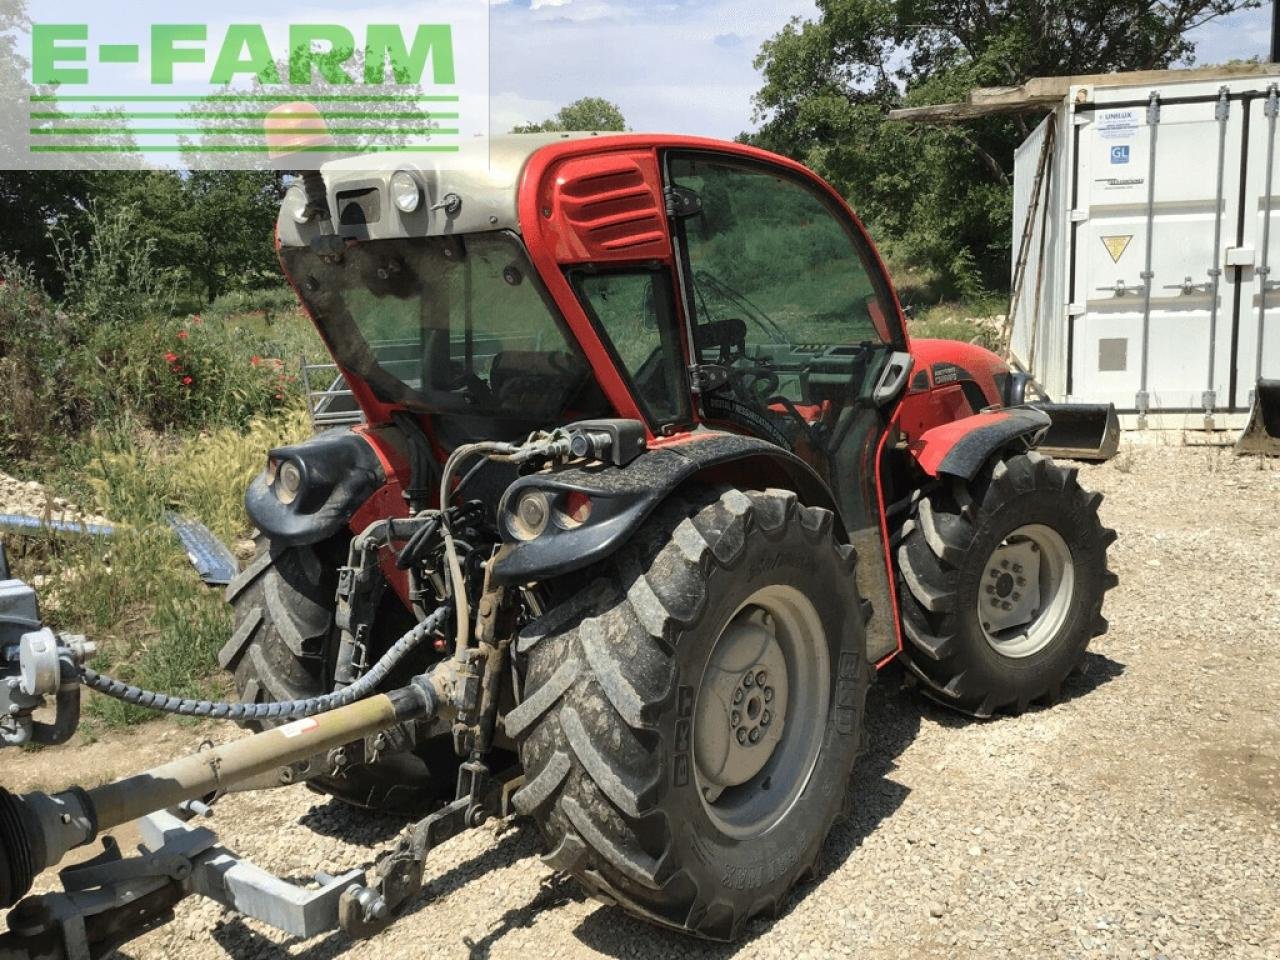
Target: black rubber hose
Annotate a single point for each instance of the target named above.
(283, 709)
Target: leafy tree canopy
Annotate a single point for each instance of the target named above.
(940, 197)
(587, 113)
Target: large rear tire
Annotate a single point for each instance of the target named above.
(1001, 583)
(691, 717)
(282, 649)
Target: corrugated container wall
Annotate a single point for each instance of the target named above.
(1154, 221)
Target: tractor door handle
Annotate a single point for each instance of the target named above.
(892, 378)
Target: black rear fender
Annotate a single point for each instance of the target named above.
(622, 497)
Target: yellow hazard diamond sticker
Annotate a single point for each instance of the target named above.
(1116, 246)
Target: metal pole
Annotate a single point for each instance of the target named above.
(1153, 125)
(1221, 113)
(1264, 270)
(1275, 31)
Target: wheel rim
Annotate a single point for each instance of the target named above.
(761, 711)
(1027, 587)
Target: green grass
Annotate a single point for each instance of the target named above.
(136, 594)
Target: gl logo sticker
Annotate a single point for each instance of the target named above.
(1120, 154)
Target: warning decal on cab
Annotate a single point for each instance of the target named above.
(1117, 245)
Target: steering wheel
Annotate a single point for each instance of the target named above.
(754, 384)
(460, 378)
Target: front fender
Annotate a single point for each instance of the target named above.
(623, 497)
(961, 447)
(340, 472)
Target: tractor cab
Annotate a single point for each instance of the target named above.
(675, 282)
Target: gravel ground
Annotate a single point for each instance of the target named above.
(1139, 818)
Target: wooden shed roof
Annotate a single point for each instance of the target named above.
(1041, 93)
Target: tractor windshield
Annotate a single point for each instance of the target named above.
(447, 324)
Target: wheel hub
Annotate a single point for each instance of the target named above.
(1012, 590)
(742, 705)
(1026, 591)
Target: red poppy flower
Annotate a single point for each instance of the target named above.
(171, 356)
(182, 334)
(186, 381)
(255, 360)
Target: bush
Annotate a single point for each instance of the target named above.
(112, 278)
(33, 360)
(182, 374)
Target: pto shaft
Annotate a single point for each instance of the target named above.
(37, 829)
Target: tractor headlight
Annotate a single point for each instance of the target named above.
(406, 194)
(295, 203)
(532, 512)
(287, 482)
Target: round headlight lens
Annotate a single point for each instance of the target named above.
(532, 512)
(288, 482)
(295, 202)
(405, 192)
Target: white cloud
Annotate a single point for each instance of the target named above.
(1237, 37)
(681, 67)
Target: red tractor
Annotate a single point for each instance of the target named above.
(646, 436)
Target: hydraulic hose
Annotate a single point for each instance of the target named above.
(284, 709)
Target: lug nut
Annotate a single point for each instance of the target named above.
(735, 718)
(1017, 568)
(995, 602)
(1007, 605)
(1022, 581)
(1016, 596)
(749, 679)
(742, 735)
(1005, 564)
(737, 695)
(765, 718)
(768, 694)
(994, 573)
(760, 678)
(755, 735)
(1035, 548)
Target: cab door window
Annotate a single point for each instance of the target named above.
(784, 296)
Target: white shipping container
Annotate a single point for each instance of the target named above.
(1153, 237)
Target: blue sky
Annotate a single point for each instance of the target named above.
(684, 66)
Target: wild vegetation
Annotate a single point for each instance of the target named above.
(130, 407)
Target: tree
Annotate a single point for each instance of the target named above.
(587, 113)
(941, 197)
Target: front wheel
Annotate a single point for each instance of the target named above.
(1001, 584)
(691, 718)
